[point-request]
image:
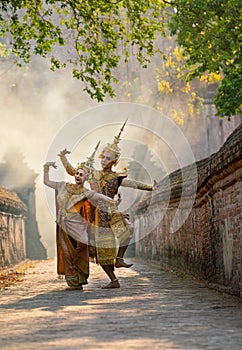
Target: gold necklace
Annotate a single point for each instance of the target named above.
(72, 189)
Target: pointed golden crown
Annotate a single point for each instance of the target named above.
(113, 147)
(87, 166)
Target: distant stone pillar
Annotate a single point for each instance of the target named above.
(35, 250)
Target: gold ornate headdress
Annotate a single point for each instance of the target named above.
(113, 147)
(87, 166)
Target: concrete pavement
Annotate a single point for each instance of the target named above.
(154, 309)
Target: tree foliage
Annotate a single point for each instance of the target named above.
(167, 89)
(91, 34)
(210, 31)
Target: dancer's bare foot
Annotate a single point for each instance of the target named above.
(112, 284)
(121, 263)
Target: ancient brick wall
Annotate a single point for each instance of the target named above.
(12, 228)
(209, 243)
(12, 248)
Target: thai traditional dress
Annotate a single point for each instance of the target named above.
(73, 217)
(107, 226)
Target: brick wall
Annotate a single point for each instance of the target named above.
(208, 243)
(12, 246)
(12, 228)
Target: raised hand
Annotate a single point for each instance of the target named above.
(64, 152)
(48, 164)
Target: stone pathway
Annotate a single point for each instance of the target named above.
(154, 309)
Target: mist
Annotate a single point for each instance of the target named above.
(43, 112)
(37, 105)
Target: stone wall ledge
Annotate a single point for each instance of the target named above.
(207, 239)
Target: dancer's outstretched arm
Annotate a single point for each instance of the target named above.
(67, 165)
(136, 184)
(46, 179)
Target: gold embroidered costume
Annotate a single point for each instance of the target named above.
(72, 214)
(107, 226)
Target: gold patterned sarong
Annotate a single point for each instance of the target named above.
(105, 243)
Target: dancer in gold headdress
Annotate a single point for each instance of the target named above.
(107, 182)
(72, 216)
